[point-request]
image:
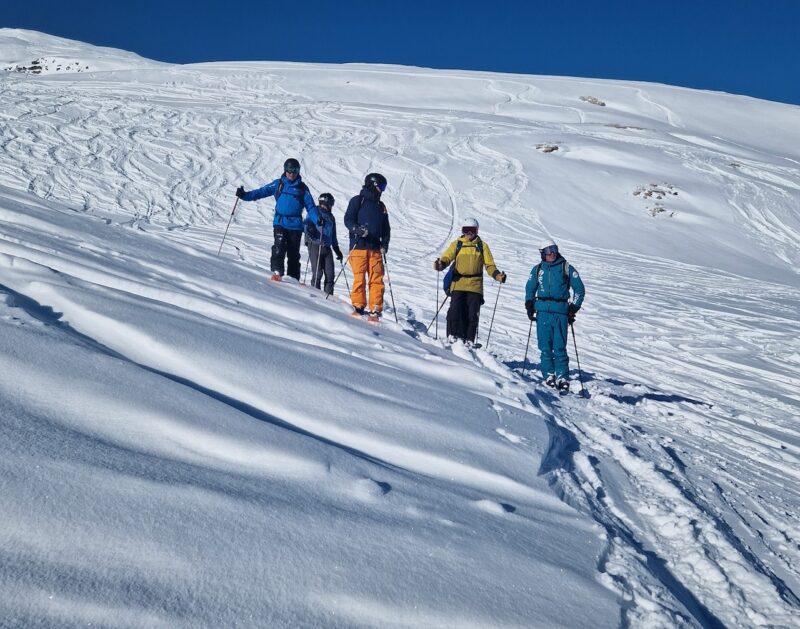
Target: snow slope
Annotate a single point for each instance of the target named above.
(186, 444)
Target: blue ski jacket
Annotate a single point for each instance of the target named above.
(368, 210)
(549, 284)
(324, 232)
(290, 199)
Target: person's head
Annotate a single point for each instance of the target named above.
(291, 168)
(326, 200)
(548, 250)
(469, 228)
(375, 181)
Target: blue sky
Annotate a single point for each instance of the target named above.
(741, 46)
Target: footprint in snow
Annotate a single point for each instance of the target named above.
(510, 436)
(495, 508)
(368, 489)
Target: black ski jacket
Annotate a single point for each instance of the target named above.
(367, 210)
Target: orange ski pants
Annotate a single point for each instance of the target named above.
(370, 263)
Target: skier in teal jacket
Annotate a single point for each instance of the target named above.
(547, 301)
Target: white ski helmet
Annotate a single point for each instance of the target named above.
(548, 246)
(470, 222)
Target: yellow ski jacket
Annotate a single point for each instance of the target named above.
(469, 264)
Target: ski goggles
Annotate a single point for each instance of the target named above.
(551, 250)
(469, 231)
(294, 170)
(382, 187)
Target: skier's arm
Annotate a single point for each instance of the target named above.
(351, 214)
(532, 285)
(578, 289)
(308, 201)
(448, 255)
(267, 190)
(312, 216)
(386, 229)
(488, 260)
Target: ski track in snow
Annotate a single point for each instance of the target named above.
(696, 375)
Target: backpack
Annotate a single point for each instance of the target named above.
(299, 195)
(451, 274)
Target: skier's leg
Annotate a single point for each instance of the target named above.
(473, 310)
(560, 331)
(358, 263)
(376, 286)
(313, 258)
(293, 240)
(457, 314)
(278, 250)
(544, 337)
(328, 269)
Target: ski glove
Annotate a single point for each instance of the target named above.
(529, 306)
(384, 249)
(239, 192)
(500, 277)
(571, 312)
(313, 232)
(338, 253)
(439, 265)
(361, 231)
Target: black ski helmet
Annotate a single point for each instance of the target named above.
(291, 165)
(375, 179)
(326, 199)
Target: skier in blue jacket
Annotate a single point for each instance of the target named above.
(320, 226)
(547, 301)
(291, 196)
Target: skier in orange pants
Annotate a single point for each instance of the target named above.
(367, 221)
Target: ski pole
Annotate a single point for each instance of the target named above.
(437, 313)
(578, 360)
(346, 283)
(389, 280)
(527, 344)
(316, 276)
(491, 323)
(438, 272)
(305, 273)
(235, 203)
(344, 264)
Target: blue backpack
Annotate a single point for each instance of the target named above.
(451, 274)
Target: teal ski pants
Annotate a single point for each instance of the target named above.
(551, 335)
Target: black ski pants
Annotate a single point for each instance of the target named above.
(464, 314)
(321, 264)
(286, 244)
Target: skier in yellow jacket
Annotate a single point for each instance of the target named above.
(469, 256)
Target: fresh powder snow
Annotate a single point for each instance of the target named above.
(186, 444)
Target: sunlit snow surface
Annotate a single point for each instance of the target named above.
(186, 444)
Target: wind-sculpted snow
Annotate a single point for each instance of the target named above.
(218, 450)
